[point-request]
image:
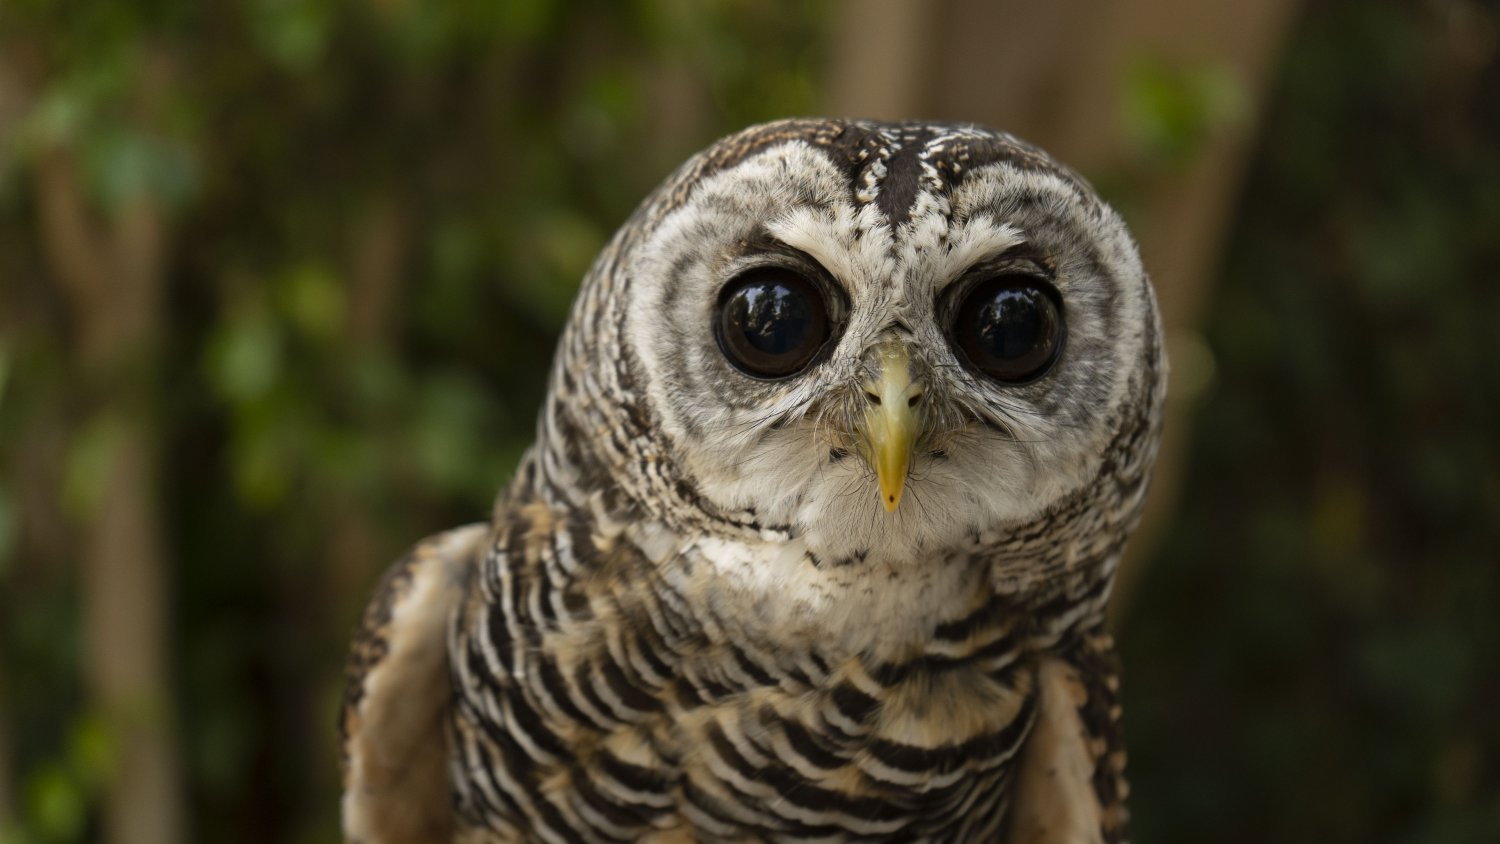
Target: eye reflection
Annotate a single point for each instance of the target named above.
(771, 322)
(1010, 328)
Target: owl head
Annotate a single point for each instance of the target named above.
(878, 341)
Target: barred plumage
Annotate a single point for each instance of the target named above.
(690, 619)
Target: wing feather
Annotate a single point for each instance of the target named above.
(1070, 787)
(393, 748)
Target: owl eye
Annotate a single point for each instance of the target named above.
(771, 322)
(1010, 328)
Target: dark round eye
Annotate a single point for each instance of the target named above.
(1010, 327)
(771, 322)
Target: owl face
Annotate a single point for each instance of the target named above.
(883, 341)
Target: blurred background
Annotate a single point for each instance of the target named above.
(279, 281)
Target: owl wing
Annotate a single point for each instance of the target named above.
(393, 749)
(1070, 786)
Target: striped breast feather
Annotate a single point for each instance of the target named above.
(597, 701)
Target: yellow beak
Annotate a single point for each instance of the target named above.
(891, 422)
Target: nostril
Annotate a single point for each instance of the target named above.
(874, 399)
(912, 402)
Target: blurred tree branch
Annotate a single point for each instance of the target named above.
(13, 105)
(7, 783)
(379, 244)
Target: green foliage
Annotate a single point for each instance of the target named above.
(1312, 656)
(59, 791)
(90, 456)
(1170, 112)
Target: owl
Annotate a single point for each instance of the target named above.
(842, 443)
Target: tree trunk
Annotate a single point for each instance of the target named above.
(12, 106)
(7, 786)
(111, 275)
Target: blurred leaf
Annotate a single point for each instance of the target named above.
(293, 33)
(55, 118)
(378, 381)
(264, 462)
(455, 434)
(90, 459)
(56, 804)
(92, 751)
(311, 296)
(129, 165)
(1171, 111)
(352, 456)
(568, 244)
(523, 19)
(244, 358)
